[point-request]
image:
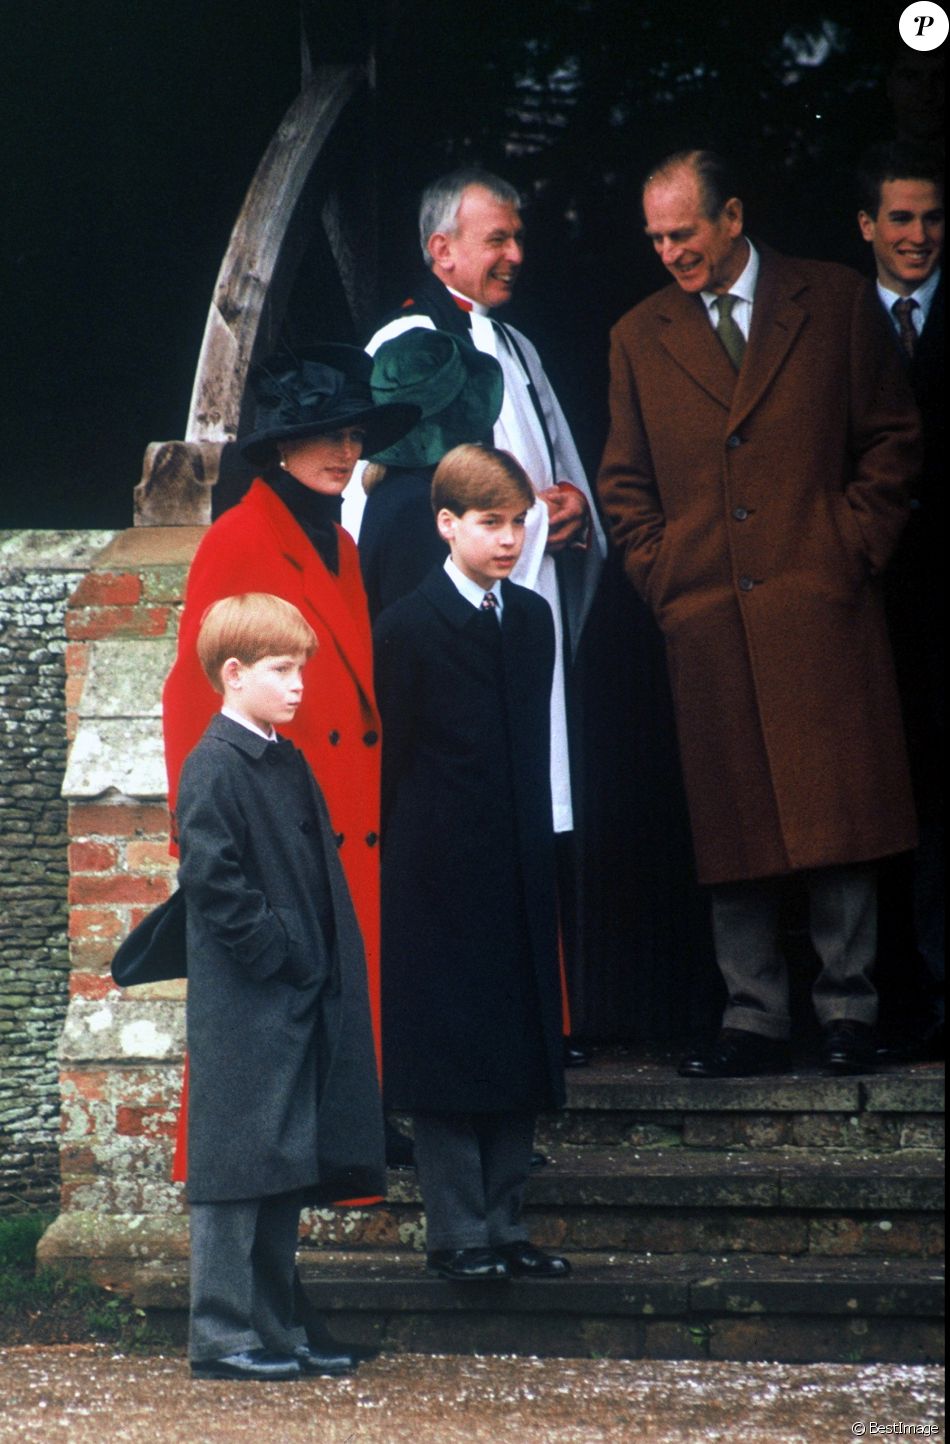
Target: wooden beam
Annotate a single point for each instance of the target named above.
(254, 251)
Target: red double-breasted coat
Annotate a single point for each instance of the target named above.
(257, 546)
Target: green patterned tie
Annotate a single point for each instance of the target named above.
(728, 330)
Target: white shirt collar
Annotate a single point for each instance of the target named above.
(270, 736)
(744, 286)
(923, 295)
(476, 306)
(470, 590)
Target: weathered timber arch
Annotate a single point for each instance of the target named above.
(311, 196)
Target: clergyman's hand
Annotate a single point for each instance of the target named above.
(568, 517)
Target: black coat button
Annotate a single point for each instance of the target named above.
(740, 513)
(334, 738)
(339, 839)
(371, 738)
(733, 442)
(371, 839)
(746, 584)
(306, 825)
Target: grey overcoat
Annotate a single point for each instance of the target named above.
(284, 1092)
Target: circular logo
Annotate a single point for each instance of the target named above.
(924, 26)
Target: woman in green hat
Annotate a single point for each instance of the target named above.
(459, 391)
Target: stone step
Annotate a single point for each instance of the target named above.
(686, 1306)
(638, 1099)
(670, 1200)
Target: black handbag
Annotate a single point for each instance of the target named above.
(154, 951)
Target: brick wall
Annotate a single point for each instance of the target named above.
(38, 572)
(121, 1051)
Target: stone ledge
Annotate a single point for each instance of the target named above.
(922, 1090)
(678, 1179)
(150, 546)
(110, 1247)
(120, 1028)
(54, 551)
(603, 1283)
(120, 756)
(613, 1082)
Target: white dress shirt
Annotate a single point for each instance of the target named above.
(744, 291)
(923, 295)
(471, 591)
(270, 736)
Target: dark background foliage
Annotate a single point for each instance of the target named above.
(129, 133)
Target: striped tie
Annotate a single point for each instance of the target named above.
(907, 332)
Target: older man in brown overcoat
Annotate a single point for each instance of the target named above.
(762, 438)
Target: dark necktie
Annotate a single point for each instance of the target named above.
(728, 330)
(489, 602)
(907, 333)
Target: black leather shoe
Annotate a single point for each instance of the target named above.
(539, 1160)
(321, 1341)
(249, 1364)
(737, 1053)
(323, 1361)
(847, 1047)
(524, 1260)
(468, 1265)
(574, 1055)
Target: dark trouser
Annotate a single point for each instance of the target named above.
(472, 1170)
(842, 908)
(242, 1276)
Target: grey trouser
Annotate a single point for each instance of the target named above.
(242, 1276)
(472, 1170)
(842, 914)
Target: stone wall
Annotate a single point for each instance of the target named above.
(120, 1052)
(38, 572)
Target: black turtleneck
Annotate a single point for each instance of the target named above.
(314, 511)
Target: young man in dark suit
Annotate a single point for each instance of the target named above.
(902, 218)
(471, 996)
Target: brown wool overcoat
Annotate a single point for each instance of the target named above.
(755, 513)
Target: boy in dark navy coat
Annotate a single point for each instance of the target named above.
(472, 1042)
(284, 1106)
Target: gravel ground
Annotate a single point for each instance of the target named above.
(88, 1394)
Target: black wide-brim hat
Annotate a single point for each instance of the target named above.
(316, 390)
(458, 389)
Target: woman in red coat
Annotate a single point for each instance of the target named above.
(315, 419)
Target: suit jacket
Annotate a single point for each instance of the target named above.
(471, 989)
(284, 1093)
(756, 513)
(914, 585)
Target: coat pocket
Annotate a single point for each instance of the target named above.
(304, 964)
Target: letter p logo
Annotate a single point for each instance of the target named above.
(924, 26)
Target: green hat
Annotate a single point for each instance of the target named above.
(458, 389)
